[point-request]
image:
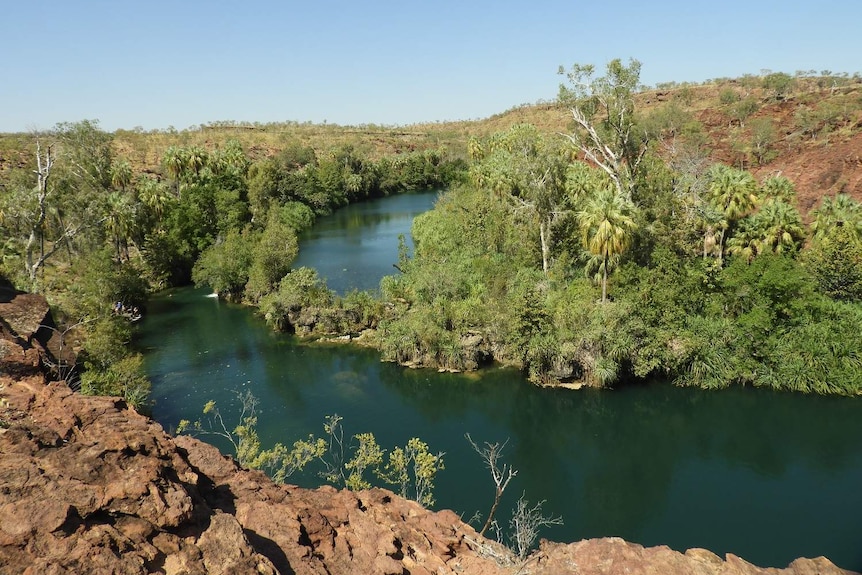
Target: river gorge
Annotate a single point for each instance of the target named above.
(767, 476)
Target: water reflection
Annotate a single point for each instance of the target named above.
(767, 476)
(358, 244)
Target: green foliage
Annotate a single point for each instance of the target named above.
(763, 136)
(224, 266)
(109, 368)
(606, 130)
(779, 84)
(301, 288)
(778, 187)
(743, 109)
(368, 455)
(413, 464)
(835, 261)
(271, 256)
(607, 224)
(124, 378)
(243, 437)
(671, 121)
(841, 211)
(728, 96)
(412, 468)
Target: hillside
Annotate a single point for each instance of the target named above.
(809, 130)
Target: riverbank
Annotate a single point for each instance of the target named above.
(91, 486)
(653, 463)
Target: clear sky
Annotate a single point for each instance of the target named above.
(161, 63)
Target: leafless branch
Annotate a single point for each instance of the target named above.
(501, 475)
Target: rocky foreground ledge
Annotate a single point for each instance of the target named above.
(90, 486)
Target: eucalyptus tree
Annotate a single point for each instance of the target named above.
(526, 170)
(87, 155)
(835, 261)
(606, 129)
(72, 172)
(607, 226)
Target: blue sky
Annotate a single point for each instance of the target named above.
(180, 63)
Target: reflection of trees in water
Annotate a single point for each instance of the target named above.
(440, 396)
(605, 460)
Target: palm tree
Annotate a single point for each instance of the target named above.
(841, 211)
(607, 226)
(174, 161)
(121, 175)
(154, 195)
(119, 220)
(776, 228)
(196, 159)
(777, 187)
(746, 241)
(733, 193)
(780, 227)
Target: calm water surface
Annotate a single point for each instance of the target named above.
(766, 476)
(358, 244)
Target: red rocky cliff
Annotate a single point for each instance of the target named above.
(89, 486)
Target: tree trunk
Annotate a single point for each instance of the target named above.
(605, 281)
(545, 236)
(497, 496)
(43, 171)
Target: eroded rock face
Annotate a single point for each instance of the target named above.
(29, 340)
(89, 486)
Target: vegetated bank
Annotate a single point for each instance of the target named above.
(669, 222)
(650, 259)
(94, 228)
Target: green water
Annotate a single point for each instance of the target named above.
(767, 476)
(357, 245)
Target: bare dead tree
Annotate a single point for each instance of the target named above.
(491, 454)
(607, 132)
(33, 263)
(525, 524)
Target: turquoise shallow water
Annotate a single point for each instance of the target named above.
(766, 476)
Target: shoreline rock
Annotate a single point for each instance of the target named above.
(91, 486)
